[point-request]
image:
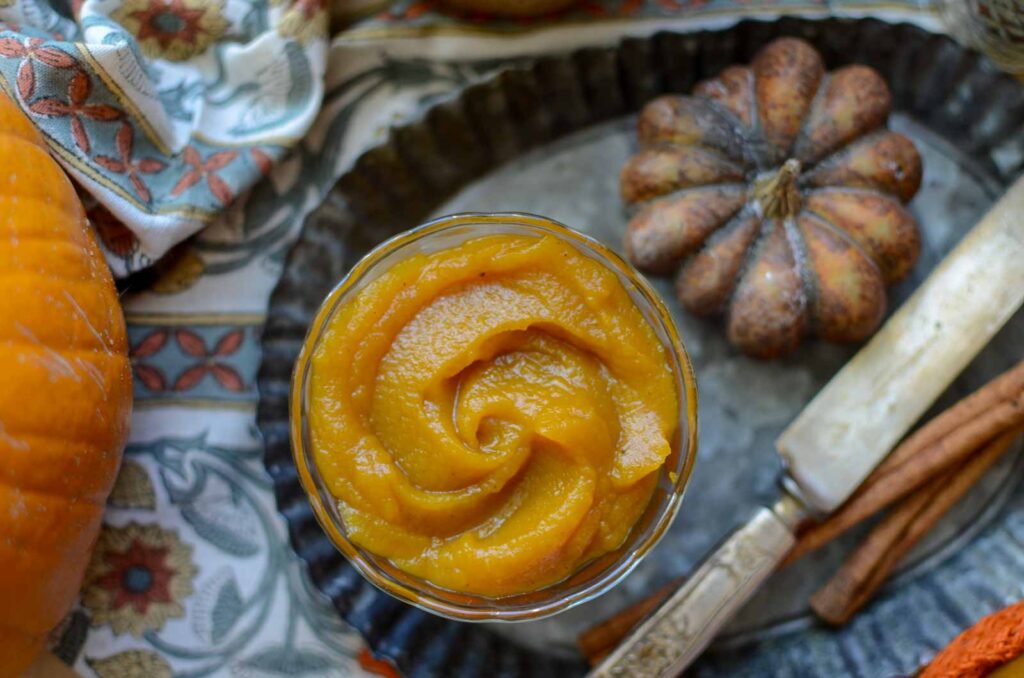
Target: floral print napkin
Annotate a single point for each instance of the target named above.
(164, 110)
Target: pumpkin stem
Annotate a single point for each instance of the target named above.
(777, 193)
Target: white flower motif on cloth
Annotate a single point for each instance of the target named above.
(192, 573)
(164, 110)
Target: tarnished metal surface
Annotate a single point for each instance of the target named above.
(550, 138)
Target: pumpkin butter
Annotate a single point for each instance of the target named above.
(491, 416)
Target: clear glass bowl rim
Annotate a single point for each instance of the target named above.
(492, 609)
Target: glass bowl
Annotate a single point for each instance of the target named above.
(595, 577)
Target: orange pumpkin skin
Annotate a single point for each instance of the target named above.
(781, 191)
(65, 394)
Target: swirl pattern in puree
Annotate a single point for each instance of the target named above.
(491, 416)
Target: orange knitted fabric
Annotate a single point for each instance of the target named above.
(994, 641)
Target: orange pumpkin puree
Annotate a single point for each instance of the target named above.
(492, 416)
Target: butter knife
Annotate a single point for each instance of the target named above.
(849, 427)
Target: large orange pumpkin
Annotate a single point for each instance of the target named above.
(65, 391)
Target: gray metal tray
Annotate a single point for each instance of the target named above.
(549, 137)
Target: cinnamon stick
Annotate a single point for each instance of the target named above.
(870, 565)
(902, 479)
(1006, 386)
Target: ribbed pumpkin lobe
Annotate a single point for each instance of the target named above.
(65, 396)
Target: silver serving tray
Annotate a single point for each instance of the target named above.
(549, 137)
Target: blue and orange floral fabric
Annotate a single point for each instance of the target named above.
(164, 110)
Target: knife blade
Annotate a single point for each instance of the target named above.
(845, 431)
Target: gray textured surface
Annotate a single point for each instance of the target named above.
(744, 404)
(571, 109)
